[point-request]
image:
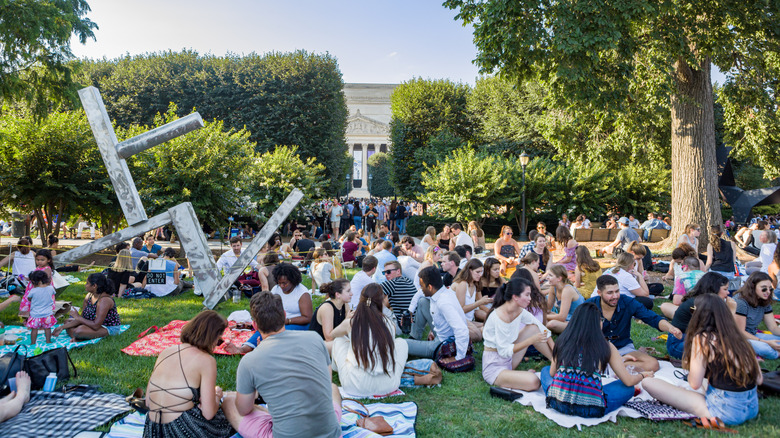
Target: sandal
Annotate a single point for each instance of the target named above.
(713, 423)
(137, 401)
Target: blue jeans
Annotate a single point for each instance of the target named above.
(358, 220)
(732, 407)
(297, 327)
(401, 224)
(762, 348)
(616, 393)
(675, 346)
(422, 348)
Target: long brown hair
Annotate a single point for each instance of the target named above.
(748, 290)
(713, 328)
(562, 236)
(487, 267)
(715, 237)
(465, 273)
(370, 335)
(203, 331)
(584, 261)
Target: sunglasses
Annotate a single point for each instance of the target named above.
(389, 271)
(765, 289)
(508, 234)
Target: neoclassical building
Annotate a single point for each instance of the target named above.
(368, 128)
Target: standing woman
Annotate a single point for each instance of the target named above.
(581, 354)
(443, 240)
(509, 331)
(506, 249)
(721, 254)
(366, 354)
(332, 311)
(477, 236)
(392, 215)
(586, 273)
(569, 246)
(429, 239)
(562, 299)
(714, 350)
(468, 289)
(754, 304)
(357, 215)
(182, 394)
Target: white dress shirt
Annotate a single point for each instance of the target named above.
(449, 320)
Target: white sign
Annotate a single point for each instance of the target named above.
(357, 165)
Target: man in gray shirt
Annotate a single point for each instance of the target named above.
(625, 236)
(291, 371)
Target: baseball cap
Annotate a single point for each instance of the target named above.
(623, 220)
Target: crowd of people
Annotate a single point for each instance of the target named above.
(432, 300)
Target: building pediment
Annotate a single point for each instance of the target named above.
(362, 125)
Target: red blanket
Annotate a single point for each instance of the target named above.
(153, 343)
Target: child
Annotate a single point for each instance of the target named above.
(690, 273)
(41, 298)
(43, 262)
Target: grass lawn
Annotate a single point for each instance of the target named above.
(461, 407)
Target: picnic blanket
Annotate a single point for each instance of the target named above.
(153, 343)
(538, 401)
(63, 340)
(402, 416)
(345, 394)
(58, 414)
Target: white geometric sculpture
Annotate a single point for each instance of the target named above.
(207, 277)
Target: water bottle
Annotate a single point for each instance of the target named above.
(51, 382)
(236, 296)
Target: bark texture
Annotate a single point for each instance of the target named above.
(695, 196)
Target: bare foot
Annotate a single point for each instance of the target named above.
(23, 385)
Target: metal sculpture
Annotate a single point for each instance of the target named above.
(741, 201)
(183, 217)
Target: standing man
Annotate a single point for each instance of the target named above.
(617, 311)
(381, 218)
(334, 213)
(291, 371)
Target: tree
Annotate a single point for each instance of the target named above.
(35, 47)
(422, 109)
(51, 166)
(207, 167)
(610, 61)
(379, 169)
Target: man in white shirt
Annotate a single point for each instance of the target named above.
(335, 211)
(409, 248)
(229, 258)
(383, 257)
(461, 237)
(363, 279)
(449, 321)
(633, 222)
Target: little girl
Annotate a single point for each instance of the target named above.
(41, 298)
(43, 262)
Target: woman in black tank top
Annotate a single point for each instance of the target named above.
(333, 311)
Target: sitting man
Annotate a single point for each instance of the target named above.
(617, 311)
(464, 252)
(228, 258)
(450, 266)
(383, 256)
(448, 319)
(363, 279)
(461, 237)
(409, 248)
(625, 236)
(653, 222)
(398, 288)
(291, 371)
(302, 245)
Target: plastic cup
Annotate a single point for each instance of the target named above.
(12, 384)
(236, 296)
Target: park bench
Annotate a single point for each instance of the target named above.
(657, 235)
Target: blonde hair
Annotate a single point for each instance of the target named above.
(431, 231)
(124, 261)
(625, 261)
(430, 252)
(637, 248)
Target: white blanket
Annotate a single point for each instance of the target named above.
(538, 400)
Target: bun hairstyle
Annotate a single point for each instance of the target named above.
(103, 284)
(334, 287)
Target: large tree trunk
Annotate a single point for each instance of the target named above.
(695, 197)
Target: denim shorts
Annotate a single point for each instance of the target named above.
(113, 330)
(732, 407)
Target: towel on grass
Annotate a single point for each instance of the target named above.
(538, 400)
(345, 394)
(167, 336)
(63, 340)
(402, 416)
(58, 414)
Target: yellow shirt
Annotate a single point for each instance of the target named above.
(588, 280)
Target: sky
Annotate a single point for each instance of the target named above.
(374, 41)
(388, 41)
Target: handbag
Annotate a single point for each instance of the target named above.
(52, 361)
(10, 364)
(771, 384)
(376, 424)
(446, 350)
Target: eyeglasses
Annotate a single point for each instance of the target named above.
(389, 271)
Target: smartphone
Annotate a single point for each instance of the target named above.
(506, 394)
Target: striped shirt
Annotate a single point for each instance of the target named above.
(399, 291)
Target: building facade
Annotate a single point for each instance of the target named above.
(368, 129)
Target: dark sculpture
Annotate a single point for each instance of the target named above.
(741, 201)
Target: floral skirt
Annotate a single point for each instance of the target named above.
(45, 322)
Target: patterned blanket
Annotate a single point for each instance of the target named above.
(58, 414)
(63, 340)
(161, 338)
(402, 416)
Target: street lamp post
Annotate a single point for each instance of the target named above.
(524, 158)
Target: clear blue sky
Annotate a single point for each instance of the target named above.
(374, 41)
(380, 42)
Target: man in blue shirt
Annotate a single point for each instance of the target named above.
(617, 311)
(653, 222)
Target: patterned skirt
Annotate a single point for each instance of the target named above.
(190, 424)
(39, 323)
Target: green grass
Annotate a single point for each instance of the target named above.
(460, 407)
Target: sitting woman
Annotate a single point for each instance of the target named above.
(715, 351)
(586, 273)
(366, 354)
(322, 270)
(539, 246)
(477, 236)
(429, 239)
(711, 283)
(182, 394)
(296, 298)
(351, 249)
(173, 285)
(641, 254)
(122, 273)
(754, 304)
(678, 255)
(631, 282)
(538, 305)
(721, 254)
(468, 289)
(333, 311)
(531, 263)
(562, 299)
(99, 317)
(509, 331)
(582, 354)
(774, 271)
(265, 273)
(690, 236)
(568, 245)
(506, 249)
(443, 239)
(491, 279)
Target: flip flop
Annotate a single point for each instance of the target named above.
(713, 423)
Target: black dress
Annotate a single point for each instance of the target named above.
(338, 318)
